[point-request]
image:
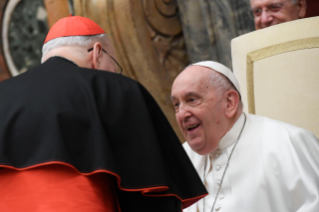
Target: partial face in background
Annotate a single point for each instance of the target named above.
(271, 12)
(199, 109)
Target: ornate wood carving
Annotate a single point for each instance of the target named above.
(147, 36)
(166, 33)
(209, 26)
(4, 71)
(56, 10)
(24, 30)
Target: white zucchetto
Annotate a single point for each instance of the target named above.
(220, 68)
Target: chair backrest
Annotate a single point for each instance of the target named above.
(278, 71)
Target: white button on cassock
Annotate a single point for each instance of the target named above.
(218, 168)
(218, 182)
(217, 209)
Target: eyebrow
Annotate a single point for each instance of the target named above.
(278, 2)
(192, 93)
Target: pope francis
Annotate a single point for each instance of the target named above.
(248, 163)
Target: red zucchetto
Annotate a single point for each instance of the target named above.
(73, 26)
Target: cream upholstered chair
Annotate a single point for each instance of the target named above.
(278, 72)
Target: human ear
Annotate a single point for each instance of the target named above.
(302, 5)
(232, 102)
(97, 55)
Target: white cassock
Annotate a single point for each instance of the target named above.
(274, 168)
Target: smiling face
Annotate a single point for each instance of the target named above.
(271, 12)
(199, 109)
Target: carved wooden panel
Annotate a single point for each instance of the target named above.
(148, 39)
(4, 71)
(23, 30)
(56, 10)
(209, 26)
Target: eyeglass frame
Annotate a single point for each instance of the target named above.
(251, 13)
(121, 69)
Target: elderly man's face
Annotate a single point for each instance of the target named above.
(199, 109)
(271, 12)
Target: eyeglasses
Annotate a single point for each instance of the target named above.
(270, 9)
(119, 70)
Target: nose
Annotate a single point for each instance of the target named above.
(265, 18)
(182, 113)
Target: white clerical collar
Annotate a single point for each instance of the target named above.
(231, 136)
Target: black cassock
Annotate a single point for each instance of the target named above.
(96, 121)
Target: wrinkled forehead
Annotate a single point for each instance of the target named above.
(194, 74)
(192, 79)
(261, 3)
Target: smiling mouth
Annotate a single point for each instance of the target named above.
(189, 128)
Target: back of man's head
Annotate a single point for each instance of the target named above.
(73, 41)
(81, 41)
(267, 13)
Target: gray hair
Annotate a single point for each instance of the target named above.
(85, 41)
(296, 1)
(220, 83)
